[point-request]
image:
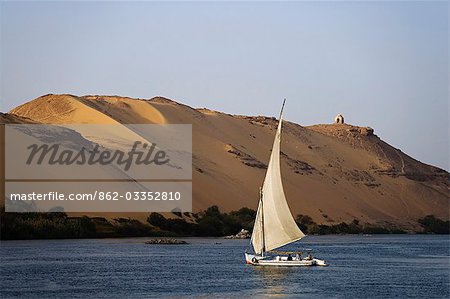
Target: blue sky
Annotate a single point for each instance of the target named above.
(381, 64)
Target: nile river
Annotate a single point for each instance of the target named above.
(378, 266)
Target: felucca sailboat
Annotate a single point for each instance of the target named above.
(274, 225)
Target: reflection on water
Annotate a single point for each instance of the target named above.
(273, 279)
(360, 267)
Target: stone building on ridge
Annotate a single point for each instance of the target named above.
(339, 119)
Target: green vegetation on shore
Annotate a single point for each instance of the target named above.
(308, 226)
(434, 225)
(209, 223)
(20, 226)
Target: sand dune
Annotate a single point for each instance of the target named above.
(331, 172)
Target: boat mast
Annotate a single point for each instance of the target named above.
(261, 198)
(262, 221)
(281, 112)
(261, 203)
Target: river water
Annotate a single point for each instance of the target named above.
(378, 266)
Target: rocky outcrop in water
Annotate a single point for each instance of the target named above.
(243, 234)
(166, 242)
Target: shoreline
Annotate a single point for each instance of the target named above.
(215, 238)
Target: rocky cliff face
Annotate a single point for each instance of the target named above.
(333, 173)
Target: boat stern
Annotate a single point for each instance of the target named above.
(318, 262)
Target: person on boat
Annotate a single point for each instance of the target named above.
(299, 256)
(289, 257)
(310, 257)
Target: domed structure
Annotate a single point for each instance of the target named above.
(339, 119)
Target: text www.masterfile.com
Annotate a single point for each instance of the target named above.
(97, 195)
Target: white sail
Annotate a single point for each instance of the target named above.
(257, 235)
(274, 224)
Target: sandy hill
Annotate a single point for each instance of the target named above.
(332, 172)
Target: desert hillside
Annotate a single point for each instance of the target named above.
(331, 172)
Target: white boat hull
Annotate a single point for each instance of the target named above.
(282, 261)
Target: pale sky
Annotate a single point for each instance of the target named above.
(382, 64)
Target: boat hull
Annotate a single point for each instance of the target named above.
(256, 260)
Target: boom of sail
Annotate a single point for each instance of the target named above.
(274, 225)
